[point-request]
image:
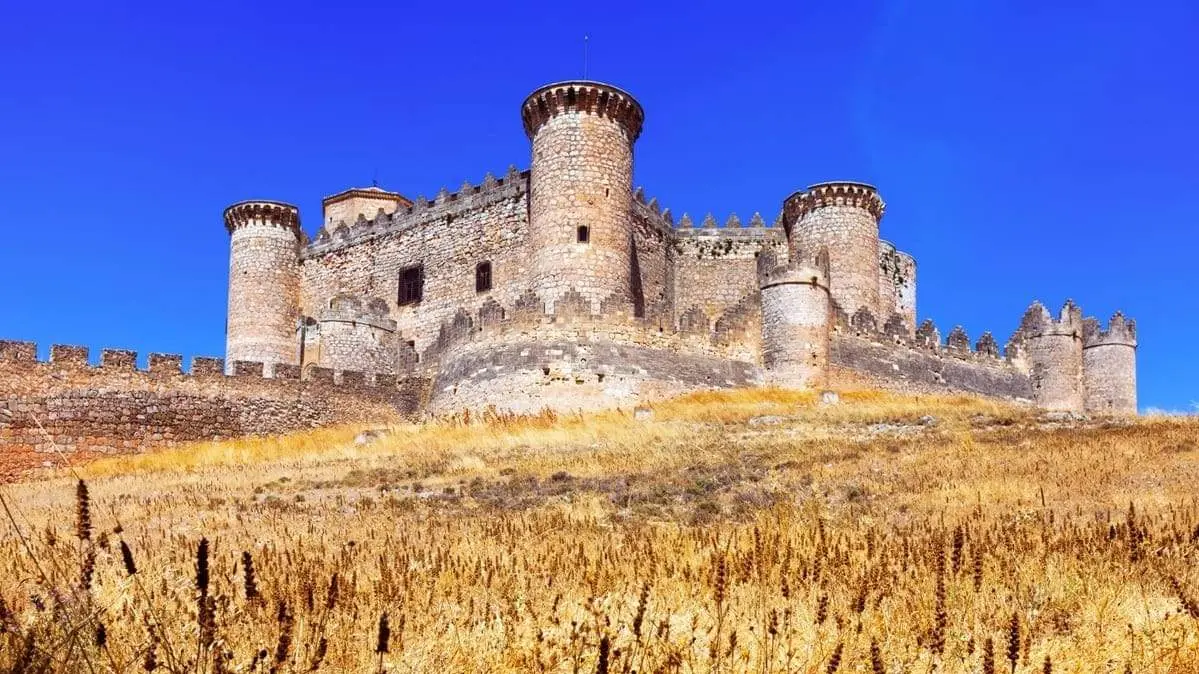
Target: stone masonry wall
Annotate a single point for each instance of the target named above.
(87, 411)
(357, 344)
(1110, 379)
(448, 236)
(582, 174)
(716, 270)
(580, 368)
(857, 360)
(897, 285)
(850, 235)
(795, 326)
(653, 268)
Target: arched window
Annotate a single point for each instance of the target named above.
(584, 234)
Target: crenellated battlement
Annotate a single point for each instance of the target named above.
(446, 205)
(928, 338)
(262, 213)
(350, 308)
(1120, 330)
(17, 358)
(593, 98)
(840, 193)
(572, 313)
(1038, 322)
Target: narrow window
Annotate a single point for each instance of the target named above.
(412, 285)
(482, 277)
(584, 234)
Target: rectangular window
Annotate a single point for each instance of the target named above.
(482, 277)
(412, 284)
(583, 234)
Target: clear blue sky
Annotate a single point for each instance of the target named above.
(1025, 150)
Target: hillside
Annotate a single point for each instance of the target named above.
(743, 531)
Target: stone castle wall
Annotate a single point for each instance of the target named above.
(795, 324)
(448, 237)
(897, 285)
(67, 405)
(574, 359)
(716, 267)
(878, 361)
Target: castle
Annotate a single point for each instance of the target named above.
(563, 287)
(559, 287)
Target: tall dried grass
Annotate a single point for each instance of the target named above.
(743, 531)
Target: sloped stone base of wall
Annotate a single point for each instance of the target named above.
(524, 374)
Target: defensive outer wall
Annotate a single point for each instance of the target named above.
(68, 405)
(562, 286)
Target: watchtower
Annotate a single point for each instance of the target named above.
(264, 282)
(580, 192)
(842, 218)
(1109, 365)
(1053, 349)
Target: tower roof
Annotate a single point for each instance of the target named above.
(372, 192)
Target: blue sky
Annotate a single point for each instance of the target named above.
(1026, 149)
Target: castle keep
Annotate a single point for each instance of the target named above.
(563, 287)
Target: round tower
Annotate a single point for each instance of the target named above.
(795, 323)
(1109, 366)
(843, 218)
(357, 335)
(264, 282)
(1053, 352)
(581, 189)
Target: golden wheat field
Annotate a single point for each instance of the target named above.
(743, 531)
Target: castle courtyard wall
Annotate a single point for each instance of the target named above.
(716, 271)
(877, 362)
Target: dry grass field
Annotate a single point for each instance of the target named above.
(744, 531)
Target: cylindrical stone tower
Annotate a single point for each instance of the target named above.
(357, 335)
(580, 193)
(795, 324)
(843, 218)
(1109, 366)
(264, 282)
(1053, 351)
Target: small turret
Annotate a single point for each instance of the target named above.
(795, 323)
(264, 283)
(1109, 365)
(357, 335)
(843, 218)
(1052, 349)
